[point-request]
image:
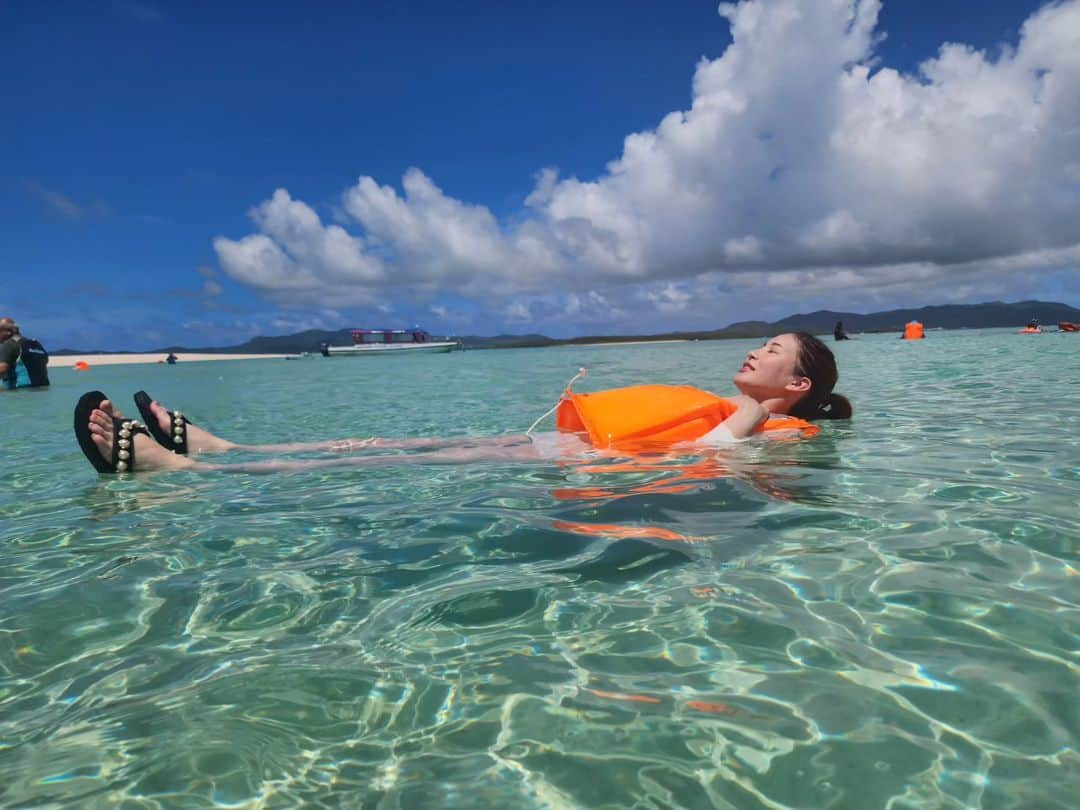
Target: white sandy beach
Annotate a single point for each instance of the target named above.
(92, 360)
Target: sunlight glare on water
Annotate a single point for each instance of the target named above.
(885, 613)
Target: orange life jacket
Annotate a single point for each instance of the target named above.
(913, 331)
(654, 415)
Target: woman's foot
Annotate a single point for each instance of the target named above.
(148, 455)
(198, 440)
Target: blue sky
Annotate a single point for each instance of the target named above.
(197, 174)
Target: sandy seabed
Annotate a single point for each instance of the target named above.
(92, 360)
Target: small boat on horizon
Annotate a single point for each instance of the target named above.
(379, 342)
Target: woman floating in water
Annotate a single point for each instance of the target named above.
(791, 376)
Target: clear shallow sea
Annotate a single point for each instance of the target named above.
(886, 615)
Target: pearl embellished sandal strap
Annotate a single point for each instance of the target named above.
(173, 436)
(123, 454)
(178, 433)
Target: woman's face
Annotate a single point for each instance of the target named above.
(770, 371)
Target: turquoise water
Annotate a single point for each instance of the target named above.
(886, 615)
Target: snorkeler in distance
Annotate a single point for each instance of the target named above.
(791, 376)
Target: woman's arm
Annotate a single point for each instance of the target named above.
(749, 414)
(9, 353)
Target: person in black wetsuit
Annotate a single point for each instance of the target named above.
(23, 361)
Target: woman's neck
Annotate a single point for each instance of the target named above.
(779, 404)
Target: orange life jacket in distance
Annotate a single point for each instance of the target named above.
(654, 415)
(913, 331)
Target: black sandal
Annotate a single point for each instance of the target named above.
(122, 458)
(176, 439)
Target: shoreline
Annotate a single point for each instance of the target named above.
(69, 360)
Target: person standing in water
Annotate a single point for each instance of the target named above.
(791, 375)
(23, 361)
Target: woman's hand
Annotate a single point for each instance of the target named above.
(749, 413)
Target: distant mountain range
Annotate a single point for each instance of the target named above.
(953, 316)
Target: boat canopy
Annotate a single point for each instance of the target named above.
(361, 336)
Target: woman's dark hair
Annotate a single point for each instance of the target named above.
(816, 362)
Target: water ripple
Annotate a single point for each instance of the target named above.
(884, 617)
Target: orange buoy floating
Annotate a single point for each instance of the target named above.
(913, 330)
(82, 365)
(651, 415)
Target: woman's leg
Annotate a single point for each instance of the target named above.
(150, 456)
(198, 440)
(521, 451)
(382, 443)
(203, 441)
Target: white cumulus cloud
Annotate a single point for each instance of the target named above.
(801, 160)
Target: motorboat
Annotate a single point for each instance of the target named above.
(379, 342)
